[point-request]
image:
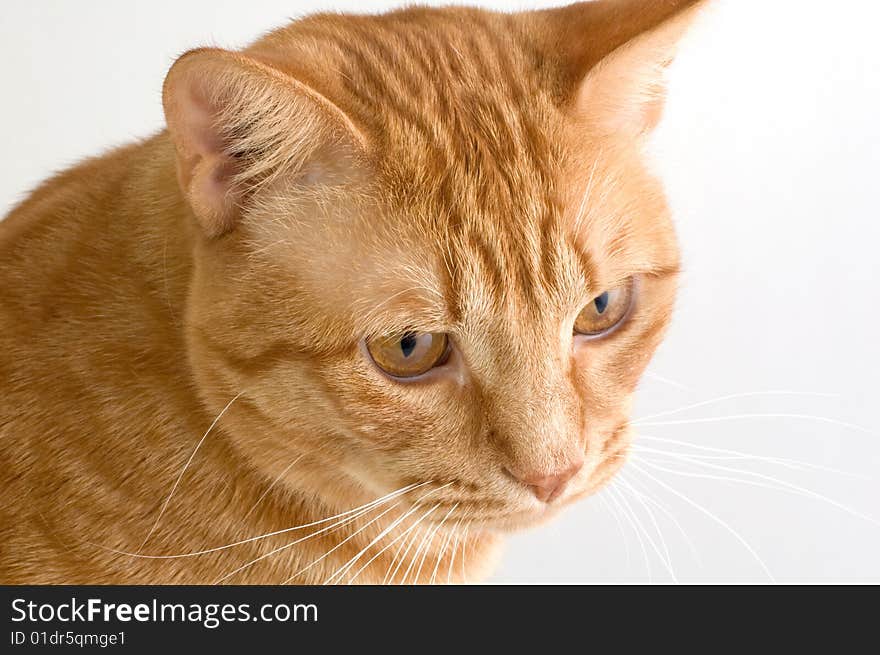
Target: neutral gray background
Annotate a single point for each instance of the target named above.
(770, 149)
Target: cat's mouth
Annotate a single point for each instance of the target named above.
(512, 516)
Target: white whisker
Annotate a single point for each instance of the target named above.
(330, 528)
(463, 549)
(403, 490)
(667, 560)
(403, 538)
(185, 467)
(775, 483)
(638, 522)
(415, 556)
(443, 548)
(671, 383)
(271, 486)
(616, 498)
(660, 506)
(390, 575)
(452, 559)
(402, 535)
(431, 542)
(620, 529)
(739, 417)
(739, 455)
(350, 563)
(341, 543)
(346, 567)
(734, 396)
(706, 512)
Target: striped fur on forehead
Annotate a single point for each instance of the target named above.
(508, 205)
(468, 135)
(454, 101)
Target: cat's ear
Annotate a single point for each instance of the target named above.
(237, 122)
(623, 89)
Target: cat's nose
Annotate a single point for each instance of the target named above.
(547, 487)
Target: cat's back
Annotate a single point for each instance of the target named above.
(55, 252)
(91, 276)
(88, 266)
(83, 236)
(37, 235)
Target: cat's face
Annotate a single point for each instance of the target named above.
(468, 300)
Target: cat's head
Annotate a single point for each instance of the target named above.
(430, 248)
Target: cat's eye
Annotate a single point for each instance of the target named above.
(606, 311)
(409, 354)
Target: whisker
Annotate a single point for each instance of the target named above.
(431, 542)
(671, 383)
(738, 417)
(443, 548)
(610, 510)
(780, 485)
(402, 490)
(734, 454)
(415, 529)
(389, 576)
(341, 543)
(415, 556)
(706, 512)
(271, 486)
(452, 558)
(615, 495)
(402, 535)
(638, 521)
(667, 561)
(660, 506)
(330, 528)
(346, 567)
(403, 538)
(185, 467)
(464, 539)
(734, 396)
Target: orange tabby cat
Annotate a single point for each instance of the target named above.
(414, 258)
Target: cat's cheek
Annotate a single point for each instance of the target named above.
(402, 415)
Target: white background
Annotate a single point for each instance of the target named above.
(771, 153)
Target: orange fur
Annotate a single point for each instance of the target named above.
(447, 170)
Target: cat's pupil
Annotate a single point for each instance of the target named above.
(601, 302)
(408, 344)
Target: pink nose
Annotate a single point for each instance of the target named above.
(548, 487)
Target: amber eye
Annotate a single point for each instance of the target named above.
(605, 311)
(409, 354)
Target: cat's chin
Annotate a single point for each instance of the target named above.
(520, 520)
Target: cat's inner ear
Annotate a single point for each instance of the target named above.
(238, 123)
(624, 93)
